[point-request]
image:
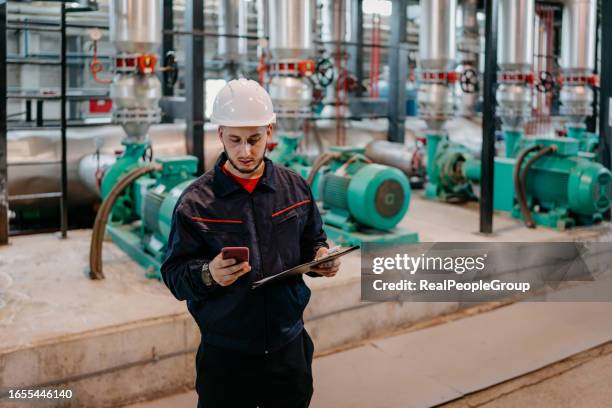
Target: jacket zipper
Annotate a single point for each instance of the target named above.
(261, 276)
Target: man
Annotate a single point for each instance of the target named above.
(254, 349)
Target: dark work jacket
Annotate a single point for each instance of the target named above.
(279, 222)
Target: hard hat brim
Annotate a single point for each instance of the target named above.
(243, 123)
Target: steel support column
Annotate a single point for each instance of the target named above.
(167, 45)
(355, 62)
(63, 124)
(4, 221)
(488, 118)
(591, 121)
(605, 89)
(398, 72)
(194, 80)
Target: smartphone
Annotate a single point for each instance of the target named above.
(240, 254)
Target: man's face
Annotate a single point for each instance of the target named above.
(245, 146)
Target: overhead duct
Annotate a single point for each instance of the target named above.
(135, 31)
(437, 61)
(578, 60)
(515, 60)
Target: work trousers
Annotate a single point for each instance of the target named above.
(229, 378)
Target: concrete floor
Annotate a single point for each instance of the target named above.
(56, 324)
(452, 362)
(582, 380)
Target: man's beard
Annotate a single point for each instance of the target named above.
(241, 169)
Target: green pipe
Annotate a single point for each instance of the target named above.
(575, 132)
(471, 169)
(130, 159)
(433, 140)
(287, 146)
(511, 139)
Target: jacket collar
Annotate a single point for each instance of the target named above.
(224, 184)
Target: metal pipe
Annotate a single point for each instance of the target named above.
(392, 154)
(233, 20)
(437, 34)
(437, 60)
(578, 60)
(515, 49)
(291, 24)
(135, 31)
(336, 22)
(578, 35)
(135, 26)
(515, 61)
(292, 28)
(469, 47)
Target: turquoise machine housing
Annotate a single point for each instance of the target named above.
(563, 189)
(363, 202)
(142, 230)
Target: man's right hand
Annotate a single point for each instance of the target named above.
(226, 271)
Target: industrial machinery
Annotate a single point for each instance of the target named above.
(138, 195)
(577, 68)
(353, 199)
(549, 184)
(291, 36)
(437, 100)
(361, 202)
(142, 229)
(515, 61)
(468, 46)
(135, 90)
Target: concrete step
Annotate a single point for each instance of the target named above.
(126, 338)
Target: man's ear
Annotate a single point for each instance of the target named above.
(269, 131)
(220, 132)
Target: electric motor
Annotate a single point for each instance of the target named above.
(374, 195)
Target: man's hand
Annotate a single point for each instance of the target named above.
(226, 271)
(328, 269)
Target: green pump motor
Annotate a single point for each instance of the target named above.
(154, 197)
(363, 202)
(450, 170)
(562, 188)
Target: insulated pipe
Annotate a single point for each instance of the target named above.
(437, 61)
(515, 44)
(437, 34)
(578, 35)
(578, 60)
(135, 25)
(291, 28)
(135, 31)
(515, 60)
(233, 20)
(468, 47)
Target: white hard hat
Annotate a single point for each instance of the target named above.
(243, 102)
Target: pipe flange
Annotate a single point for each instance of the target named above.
(126, 116)
(576, 110)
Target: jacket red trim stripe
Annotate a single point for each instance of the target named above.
(290, 207)
(222, 221)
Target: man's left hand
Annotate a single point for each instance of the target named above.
(328, 269)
